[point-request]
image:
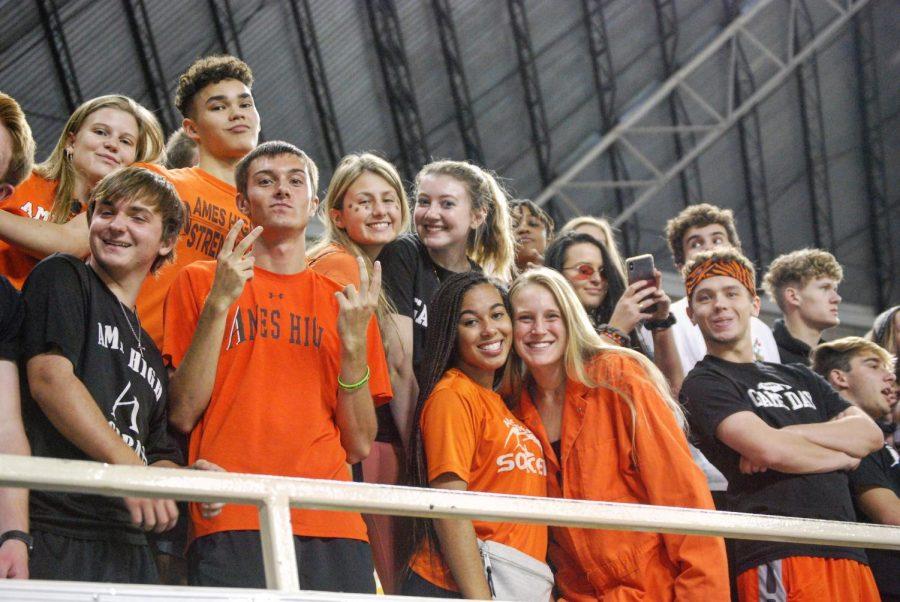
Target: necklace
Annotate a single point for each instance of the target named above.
(136, 335)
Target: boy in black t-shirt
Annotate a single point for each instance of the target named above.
(780, 435)
(862, 372)
(94, 385)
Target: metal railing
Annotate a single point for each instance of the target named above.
(274, 496)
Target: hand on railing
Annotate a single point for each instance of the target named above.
(209, 509)
(13, 560)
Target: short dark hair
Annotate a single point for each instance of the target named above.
(517, 205)
(181, 150)
(205, 71)
(697, 216)
(136, 182)
(273, 148)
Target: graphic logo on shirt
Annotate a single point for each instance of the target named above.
(523, 458)
(780, 395)
(128, 406)
(268, 323)
(35, 211)
(894, 455)
(420, 313)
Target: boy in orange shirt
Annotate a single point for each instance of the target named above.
(276, 368)
(215, 99)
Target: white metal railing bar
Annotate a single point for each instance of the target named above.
(274, 493)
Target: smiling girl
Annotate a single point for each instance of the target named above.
(466, 439)
(462, 223)
(101, 136)
(611, 431)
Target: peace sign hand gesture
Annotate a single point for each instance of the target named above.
(356, 308)
(234, 267)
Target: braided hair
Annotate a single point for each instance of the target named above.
(441, 341)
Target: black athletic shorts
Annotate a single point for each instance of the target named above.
(234, 559)
(62, 558)
(414, 585)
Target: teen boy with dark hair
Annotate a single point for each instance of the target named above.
(215, 100)
(782, 437)
(863, 374)
(95, 386)
(16, 157)
(275, 370)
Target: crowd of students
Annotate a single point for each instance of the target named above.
(171, 314)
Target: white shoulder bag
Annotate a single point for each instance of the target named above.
(514, 575)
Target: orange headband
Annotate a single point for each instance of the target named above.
(718, 266)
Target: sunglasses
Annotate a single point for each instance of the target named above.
(586, 272)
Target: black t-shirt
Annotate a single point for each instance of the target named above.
(791, 350)
(410, 280)
(11, 316)
(70, 310)
(781, 395)
(880, 469)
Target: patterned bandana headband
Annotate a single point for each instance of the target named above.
(718, 266)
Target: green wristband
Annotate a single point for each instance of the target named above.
(357, 385)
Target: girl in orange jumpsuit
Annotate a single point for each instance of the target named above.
(611, 431)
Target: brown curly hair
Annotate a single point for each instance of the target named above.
(205, 71)
(702, 214)
(798, 268)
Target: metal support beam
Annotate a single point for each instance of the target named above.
(226, 28)
(667, 30)
(883, 269)
(318, 83)
(605, 85)
(534, 100)
(459, 86)
(812, 127)
(151, 66)
(408, 126)
(756, 189)
(779, 62)
(59, 50)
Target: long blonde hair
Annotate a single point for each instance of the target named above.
(492, 245)
(583, 345)
(150, 147)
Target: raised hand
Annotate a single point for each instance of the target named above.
(234, 266)
(632, 306)
(357, 307)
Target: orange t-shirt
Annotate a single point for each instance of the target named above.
(210, 211)
(32, 198)
(599, 445)
(275, 394)
(467, 430)
(335, 262)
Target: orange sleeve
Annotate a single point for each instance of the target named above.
(339, 266)
(671, 478)
(181, 313)
(379, 376)
(448, 432)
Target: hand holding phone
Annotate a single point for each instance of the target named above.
(641, 268)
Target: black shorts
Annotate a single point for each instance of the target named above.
(63, 558)
(414, 585)
(234, 559)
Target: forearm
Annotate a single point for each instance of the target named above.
(459, 549)
(72, 410)
(355, 412)
(856, 436)
(399, 338)
(191, 384)
(666, 358)
(798, 455)
(40, 239)
(13, 502)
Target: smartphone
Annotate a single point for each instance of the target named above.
(640, 268)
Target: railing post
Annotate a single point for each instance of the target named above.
(279, 557)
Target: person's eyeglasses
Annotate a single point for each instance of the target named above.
(584, 271)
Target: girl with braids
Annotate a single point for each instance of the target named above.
(462, 223)
(465, 438)
(365, 208)
(611, 431)
(615, 308)
(45, 213)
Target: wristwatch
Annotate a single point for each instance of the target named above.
(22, 536)
(654, 325)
